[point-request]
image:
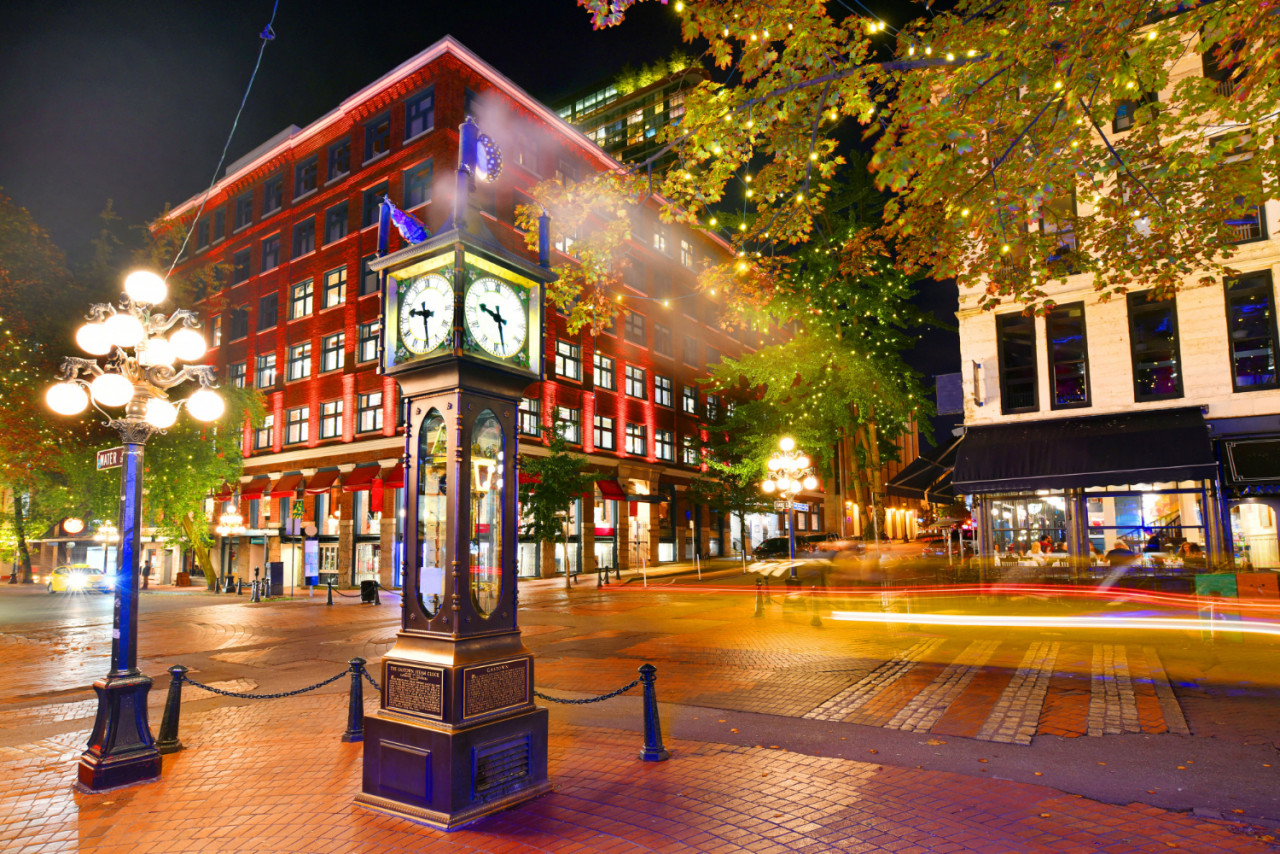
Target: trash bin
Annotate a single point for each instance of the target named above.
(368, 591)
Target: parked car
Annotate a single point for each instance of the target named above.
(808, 545)
(77, 577)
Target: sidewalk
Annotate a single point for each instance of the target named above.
(272, 776)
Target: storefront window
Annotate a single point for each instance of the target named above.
(366, 561)
(1147, 519)
(432, 536)
(606, 512)
(1017, 521)
(1253, 533)
(487, 465)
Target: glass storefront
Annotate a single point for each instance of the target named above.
(1017, 521)
(1150, 518)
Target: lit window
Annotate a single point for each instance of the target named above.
(603, 373)
(335, 287)
(367, 348)
(686, 253)
(569, 424)
(263, 437)
(636, 382)
(530, 416)
(604, 433)
(659, 237)
(664, 446)
(689, 400)
(295, 430)
(689, 451)
(331, 419)
(299, 361)
(637, 441)
(331, 352)
(300, 300)
(235, 374)
(369, 412)
(265, 371)
(662, 390)
(568, 360)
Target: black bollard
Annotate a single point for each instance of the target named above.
(759, 598)
(653, 749)
(377, 600)
(168, 741)
(329, 601)
(239, 586)
(815, 620)
(355, 710)
(617, 573)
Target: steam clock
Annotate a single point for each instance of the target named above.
(457, 735)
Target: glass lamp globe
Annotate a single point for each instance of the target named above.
(111, 390)
(94, 339)
(124, 330)
(156, 351)
(810, 482)
(787, 443)
(774, 463)
(188, 345)
(768, 486)
(802, 461)
(145, 287)
(206, 405)
(66, 398)
(161, 413)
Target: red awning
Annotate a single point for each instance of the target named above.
(612, 490)
(360, 479)
(286, 486)
(393, 478)
(225, 493)
(255, 487)
(529, 478)
(322, 481)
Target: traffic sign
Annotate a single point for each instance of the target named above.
(111, 458)
(801, 506)
(781, 505)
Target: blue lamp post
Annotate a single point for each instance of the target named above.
(789, 472)
(139, 368)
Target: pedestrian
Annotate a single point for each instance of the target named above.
(146, 575)
(1121, 555)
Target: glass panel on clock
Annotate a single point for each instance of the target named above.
(432, 489)
(486, 512)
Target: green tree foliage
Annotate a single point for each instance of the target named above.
(561, 478)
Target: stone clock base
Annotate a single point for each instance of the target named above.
(447, 777)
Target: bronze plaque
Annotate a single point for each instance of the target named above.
(493, 687)
(413, 689)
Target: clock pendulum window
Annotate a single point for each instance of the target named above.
(457, 735)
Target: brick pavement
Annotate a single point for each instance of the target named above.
(271, 776)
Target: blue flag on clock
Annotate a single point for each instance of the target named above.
(410, 229)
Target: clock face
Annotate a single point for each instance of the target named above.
(495, 317)
(426, 313)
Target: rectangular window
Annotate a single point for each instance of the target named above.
(301, 297)
(530, 416)
(690, 351)
(637, 441)
(568, 360)
(420, 114)
(264, 375)
(1016, 341)
(367, 347)
(240, 264)
(417, 184)
(664, 445)
(335, 288)
(304, 176)
(295, 425)
(689, 400)
(244, 211)
(304, 237)
(1058, 221)
(603, 372)
(604, 434)
(569, 424)
(1153, 343)
(215, 330)
(237, 323)
(1251, 329)
(270, 253)
(331, 419)
(1068, 356)
(202, 234)
(659, 237)
(686, 253)
(299, 361)
(633, 329)
(689, 451)
(662, 390)
(368, 277)
(268, 311)
(235, 374)
(369, 412)
(331, 348)
(661, 340)
(339, 160)
(372, 199)
(713, 407)
(636, 382)
(272, 195)
(335, 223)
(263, 437)
(377, 137)
(219, 224)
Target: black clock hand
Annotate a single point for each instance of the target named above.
(496, 315)
(425, 314)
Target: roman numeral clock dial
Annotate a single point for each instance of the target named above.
(496, 317)
(426, 313)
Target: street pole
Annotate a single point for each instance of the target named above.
(791, 533)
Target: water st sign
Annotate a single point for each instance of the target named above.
(111, 458)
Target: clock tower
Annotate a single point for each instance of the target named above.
(457, 735)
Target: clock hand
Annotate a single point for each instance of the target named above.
(425, 314)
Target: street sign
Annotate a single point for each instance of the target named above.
(800, 506)
(781, 505)
(111, 458)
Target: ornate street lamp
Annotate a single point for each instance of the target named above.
(230, 523)
(789, 472)
(137, 371)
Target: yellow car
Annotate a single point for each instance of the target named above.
(78, 578)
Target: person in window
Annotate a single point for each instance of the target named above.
(1046, 543)
(1121, 555)
(1192, 555)
(1153, 544)
(1037, 553)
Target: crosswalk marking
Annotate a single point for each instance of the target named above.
(1169, 707)
(928, 706)
(1016, 715)
(1113, 709)
(861, 692)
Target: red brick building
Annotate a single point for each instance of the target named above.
(295, 221)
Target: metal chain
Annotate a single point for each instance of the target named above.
(372, 681)
(624, 689)
(348, 595)
(282, 694)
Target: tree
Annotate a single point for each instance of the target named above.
(554, 483)
(993, 125)
(735, 487)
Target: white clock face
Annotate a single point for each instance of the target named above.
(426, 313)
(495, 317)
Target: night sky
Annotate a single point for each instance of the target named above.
(132, 100)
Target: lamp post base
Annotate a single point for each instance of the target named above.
(121, 750)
